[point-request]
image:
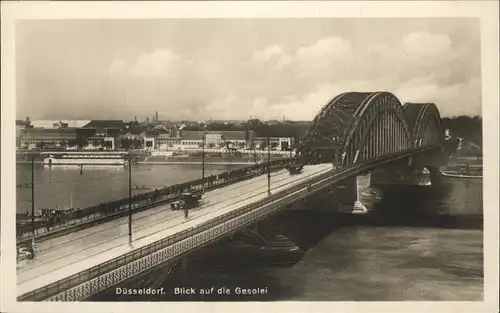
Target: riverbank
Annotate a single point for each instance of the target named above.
(168, 163)
(186, 158)
(192, 163)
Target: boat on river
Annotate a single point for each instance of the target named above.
(460, 175)
(463, 171)
(80, 158)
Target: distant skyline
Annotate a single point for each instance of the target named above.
(233, 69)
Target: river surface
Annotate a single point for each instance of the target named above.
(420, 244)
(63, 186)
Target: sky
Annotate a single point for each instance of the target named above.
(199, 69)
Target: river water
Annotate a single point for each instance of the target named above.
(420, 244)
(63, 186)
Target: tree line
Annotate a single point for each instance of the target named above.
(260, 129)
(470, 128)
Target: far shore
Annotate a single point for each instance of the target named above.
(29, 162)
(179, 162)
(192, 163)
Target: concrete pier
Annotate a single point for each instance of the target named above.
(348, 197)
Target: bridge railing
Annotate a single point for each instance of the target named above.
(91, 273)
(140, 202)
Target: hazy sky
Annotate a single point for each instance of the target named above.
(235, 68)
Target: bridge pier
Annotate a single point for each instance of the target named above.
(434, 173)
(348, 197)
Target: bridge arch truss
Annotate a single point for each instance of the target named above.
(356, 127)
(426, 124)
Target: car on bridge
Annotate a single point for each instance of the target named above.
(26, 252)
(295, 169)
(187, 201)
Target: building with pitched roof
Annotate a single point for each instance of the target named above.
(106, 127)
(132, 136)
(54, 124)
(103, 133)
(41, 138)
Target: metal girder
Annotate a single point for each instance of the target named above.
(329, 126)
(418, 116)
(343, 125)
(367, 112)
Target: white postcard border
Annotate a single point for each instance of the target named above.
(487, 11)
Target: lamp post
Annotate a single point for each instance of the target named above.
(129, 201)
(33, 201)
(268, 165)
(203, 160)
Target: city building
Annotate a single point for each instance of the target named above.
(56, 124)
(213, 140)
(150, 139)
(102, 134)
(132, 136)
(163, 129)
(166, 142)
(191, 139)
(239, 139)
(217, 139)
(41, 138)
(20, 127)
(133, 133)
(276, 143)
(115, 134)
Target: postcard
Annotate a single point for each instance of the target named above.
(218, 156)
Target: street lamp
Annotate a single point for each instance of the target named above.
(33, 201)
(203, 160)
(268, 166)
(129, 201)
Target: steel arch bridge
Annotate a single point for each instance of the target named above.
(356, 127)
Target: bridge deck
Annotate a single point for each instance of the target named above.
(64, 256)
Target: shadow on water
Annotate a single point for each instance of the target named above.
(397, 206)
(422, 207)
(220, 282)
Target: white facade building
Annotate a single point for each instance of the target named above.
(213, 139)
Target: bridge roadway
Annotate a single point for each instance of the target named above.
(63, 256)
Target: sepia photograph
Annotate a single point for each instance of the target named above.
(248, 159)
